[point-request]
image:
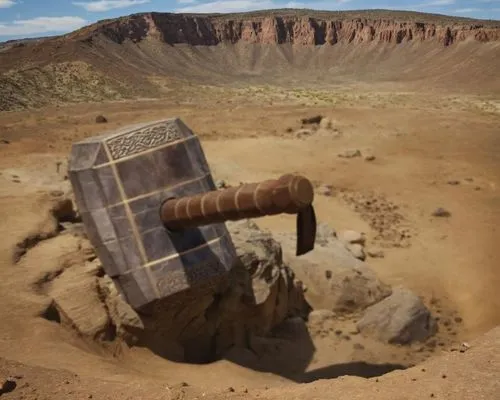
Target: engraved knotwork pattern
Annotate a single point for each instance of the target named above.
(135, 142)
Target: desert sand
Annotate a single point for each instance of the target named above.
(425, 117)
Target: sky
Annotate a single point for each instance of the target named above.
(34, 18)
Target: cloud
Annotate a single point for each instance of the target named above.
(435, 3)
(40, 25)
(228, 6)
(223, 6)
(6, 3)
(106, 5)
(468, 10)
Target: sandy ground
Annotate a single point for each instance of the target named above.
(420, 151)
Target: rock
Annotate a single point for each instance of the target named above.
(101, 119)
(318, 317)
(312, 120)
(8, 386)
(77, 301)
(324, 234)
(375, 253)
(453, 182)
(325, 190)
(357, 251)
(370, 158)
(200, 324)
(221, 184)
(353, 237)
(352, 285)
(4, 141)
(326, 123)
(401, 318)
(303, 133)
(441, 212)
(350, 153)
(274, 288)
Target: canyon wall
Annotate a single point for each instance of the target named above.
(274, 29)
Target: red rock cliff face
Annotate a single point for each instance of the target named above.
(212, 30)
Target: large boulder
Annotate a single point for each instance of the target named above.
(334, 278)
(401, 318)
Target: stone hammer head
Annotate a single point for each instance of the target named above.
(139, 194)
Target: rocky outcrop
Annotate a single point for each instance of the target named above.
(323, 29)
(197, 325)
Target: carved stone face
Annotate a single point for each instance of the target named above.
(120, 180)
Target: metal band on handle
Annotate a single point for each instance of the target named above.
(288, 194)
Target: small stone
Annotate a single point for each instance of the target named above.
(375, 253)
(441, 212)
(357, 251)
(221, 184)
(351, 153)
(328, 274)
(353, 237)
(325, 190)
(326, 123)
(358, 346)
(370, 158)
(301, 133)
(101, 119)
(312, 120)
(458, 320)
(4, 141)
(464, 347)
(8, 386)
(230, 389)
(454, 183)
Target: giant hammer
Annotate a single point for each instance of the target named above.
(155, 217)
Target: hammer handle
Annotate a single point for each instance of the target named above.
(288, 194)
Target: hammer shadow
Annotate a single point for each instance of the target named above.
(189, 327)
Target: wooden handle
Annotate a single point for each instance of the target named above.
(288, 194)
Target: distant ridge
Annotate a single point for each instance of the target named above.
(124, 57)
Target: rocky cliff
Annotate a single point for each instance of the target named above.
(287, 28)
